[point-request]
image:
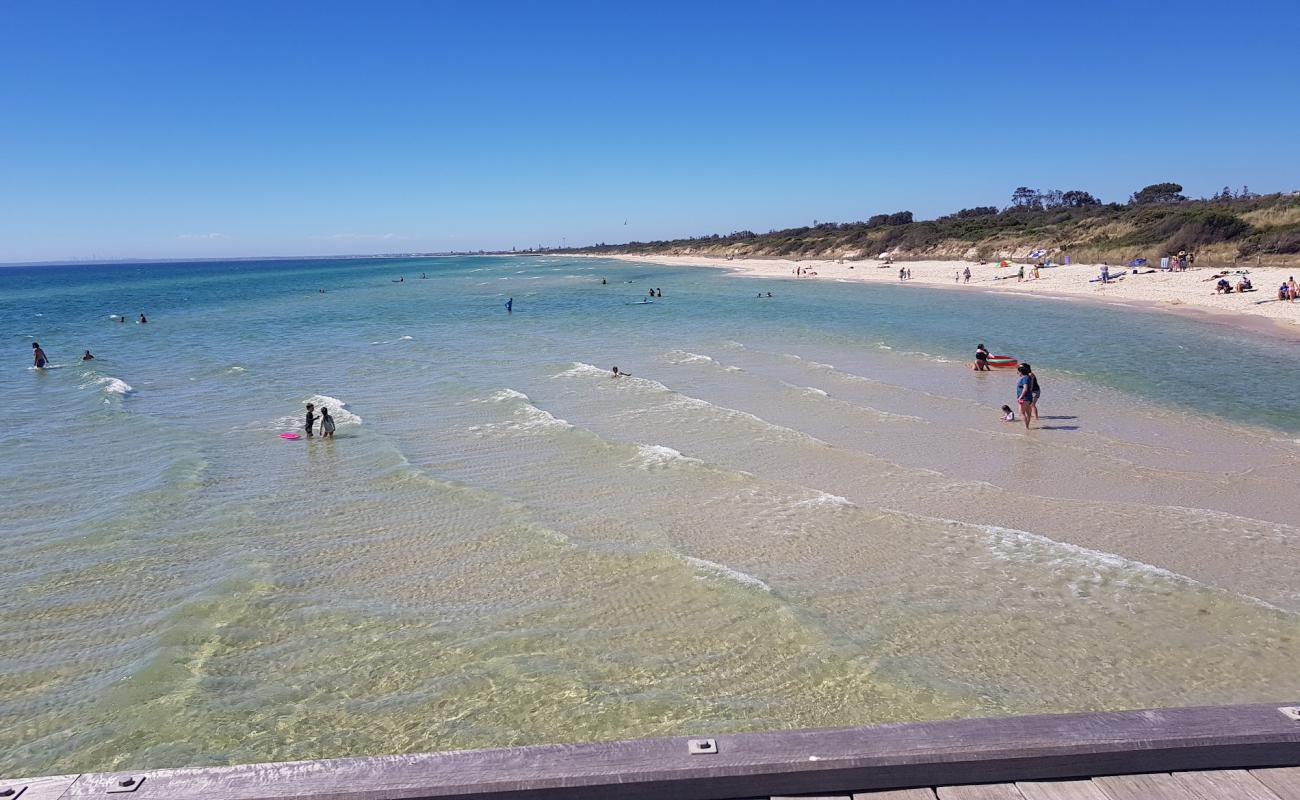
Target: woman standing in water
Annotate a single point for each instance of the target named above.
(1035, 390)
(1025, 393)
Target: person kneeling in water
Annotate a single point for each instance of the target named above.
(1008, 415)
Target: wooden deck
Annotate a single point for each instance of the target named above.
(1233, 784)
(1215, 753)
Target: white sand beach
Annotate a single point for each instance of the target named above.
(1192, 290)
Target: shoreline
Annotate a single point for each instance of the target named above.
(1189, 294)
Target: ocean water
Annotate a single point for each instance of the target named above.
(799, 511)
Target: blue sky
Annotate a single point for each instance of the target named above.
(165, 129)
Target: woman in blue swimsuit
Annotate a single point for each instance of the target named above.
(1025, 393)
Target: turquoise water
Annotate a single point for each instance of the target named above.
(800, 510)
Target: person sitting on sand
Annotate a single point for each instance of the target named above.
(86, 356)
(981, 359)
(1283, 291)
(38, 356)
(1243, 285)
(1223, 287)
(618, 374)
(1008, 415)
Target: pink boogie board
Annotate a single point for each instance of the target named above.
(289, 436)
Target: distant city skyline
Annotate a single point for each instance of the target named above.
(153, 130)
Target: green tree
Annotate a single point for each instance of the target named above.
(1078, 199)
(1024, 197)
(1158, 193)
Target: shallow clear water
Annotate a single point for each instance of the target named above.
(800, 511)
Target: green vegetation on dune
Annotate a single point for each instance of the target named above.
(1157, 221)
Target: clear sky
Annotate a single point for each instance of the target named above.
(187, 129)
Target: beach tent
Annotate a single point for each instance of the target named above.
(1036, 254)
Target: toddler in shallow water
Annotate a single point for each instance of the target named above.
(1008, 415)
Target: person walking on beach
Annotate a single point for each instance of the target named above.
(1020, 274)
(38, 356)
(1025, 394)
(965, 274)
(1035, 390)
(310, 421)
(326, 424)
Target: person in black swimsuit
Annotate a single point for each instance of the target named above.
(38, 356)
(310, 421)
(981, 359)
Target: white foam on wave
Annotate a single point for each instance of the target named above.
(236, 370)
(1023, 546)
(684, 357)
(338, 409)
(813, 390)
(530, 417)
(657, 455)
(579, 369)
(116, 386)
(824, 500)
(525, 417)
(724, 571)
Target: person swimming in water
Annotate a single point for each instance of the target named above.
(38, 356)
(142, 320)
(618, 374)
(86, 356)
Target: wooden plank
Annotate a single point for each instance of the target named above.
(1061, 790)
(36, 788)
(988, 791)
(1158, 786)
(897, 794)
(1227, 784)
(1285, 783)
(838, 761)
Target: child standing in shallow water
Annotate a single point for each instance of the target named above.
(326, 423)
(310, 420)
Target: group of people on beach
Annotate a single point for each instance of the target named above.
(1181, 262)
(1289, 290)
(1028, 389)
(326, 422)
(41, 361)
